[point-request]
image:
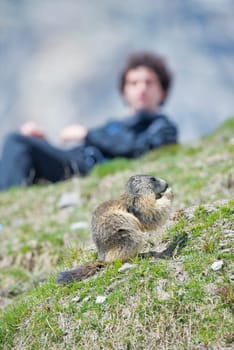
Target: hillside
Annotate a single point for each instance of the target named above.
(180, 303)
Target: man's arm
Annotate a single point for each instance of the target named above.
(32, 129)
(74, 132)
(70, 133)
(132, 138)
(161, 132)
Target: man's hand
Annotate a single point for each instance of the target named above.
(73, 133)
(32, 129)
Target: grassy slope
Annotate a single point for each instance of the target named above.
(164, 304)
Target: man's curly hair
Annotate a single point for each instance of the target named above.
(152, 61)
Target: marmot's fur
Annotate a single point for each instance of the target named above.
(118, 225)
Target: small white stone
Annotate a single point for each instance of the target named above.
(162, 295)
(226, 250)
(78, 225)
(76, 299)
(100, 299)
(69, 199)
(86, 299)
(217, 265)
(125, 267)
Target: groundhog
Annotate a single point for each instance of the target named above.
(118, 225)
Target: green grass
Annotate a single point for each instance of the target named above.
(178, 303)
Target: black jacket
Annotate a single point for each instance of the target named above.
(133, 136)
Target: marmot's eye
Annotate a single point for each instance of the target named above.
(153, 179)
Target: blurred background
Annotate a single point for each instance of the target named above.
(60, 60)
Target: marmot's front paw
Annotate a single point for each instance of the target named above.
(168, 194)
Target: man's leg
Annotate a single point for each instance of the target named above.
(26, 158)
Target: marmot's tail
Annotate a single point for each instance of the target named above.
(80, 272)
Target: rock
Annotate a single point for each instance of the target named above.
(79, 225)
(100, 299)
(226, 250)
(125, 267)
(69, 199)
(217, 265)
(86, 299)
(76, 299)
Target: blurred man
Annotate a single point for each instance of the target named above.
(144, 84)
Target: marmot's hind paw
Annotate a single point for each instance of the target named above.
(178, 243)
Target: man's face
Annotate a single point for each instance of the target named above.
(142, 89)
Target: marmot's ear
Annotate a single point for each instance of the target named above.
(131, 187)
